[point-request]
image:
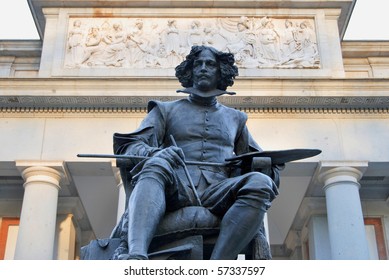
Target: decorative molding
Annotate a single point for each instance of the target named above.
(282, 96)
(85, 112)
(365, 49)
(250, 104)
(344, 6)
(21, 48)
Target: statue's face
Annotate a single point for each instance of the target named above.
(205, 71)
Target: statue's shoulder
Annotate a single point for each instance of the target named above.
(234, 113)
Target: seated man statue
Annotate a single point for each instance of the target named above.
(197, 129)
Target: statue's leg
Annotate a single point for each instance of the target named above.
(242, 220)
(147, 205)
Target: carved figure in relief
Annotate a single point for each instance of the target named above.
(269, 42)
(172, 37)
(155, 54)
(306, 39)
(160, 59)
(248, 53)
(289, 39)
(304, 35)
(213, 36)
(305, 53)
(93, 47)
(173, 45)
(75, 43)
(115, 46)
(137, 45)
(195, 36)
(245, 38)
(255, 42)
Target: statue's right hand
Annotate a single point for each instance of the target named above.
(173, 155)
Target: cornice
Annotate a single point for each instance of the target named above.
(124, 86)
(265, 95)
(364, 49)
(345, 6)
(21, 48)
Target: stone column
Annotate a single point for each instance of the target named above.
(344, 211)
(39, 211)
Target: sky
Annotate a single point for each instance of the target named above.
(369, 21)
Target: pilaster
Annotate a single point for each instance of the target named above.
(319, 244)
(6, 65)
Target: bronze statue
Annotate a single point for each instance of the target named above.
(200, 129)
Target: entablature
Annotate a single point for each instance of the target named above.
(253, 94)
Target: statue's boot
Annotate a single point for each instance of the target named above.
(146, 208)
(238, 227)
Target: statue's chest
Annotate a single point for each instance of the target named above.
(202, 124)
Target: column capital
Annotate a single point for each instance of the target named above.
(54, 170)
(332, 171)
(340, 174)
(42, 174)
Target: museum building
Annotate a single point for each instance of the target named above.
(97, 65)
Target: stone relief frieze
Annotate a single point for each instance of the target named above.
(138, 43)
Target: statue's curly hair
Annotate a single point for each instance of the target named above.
(228, 70)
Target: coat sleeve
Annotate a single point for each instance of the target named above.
(146, 139)
(142, 142)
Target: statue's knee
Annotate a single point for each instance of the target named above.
(261, 185)
(157, 166)
(261, 180)
(158, 169)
